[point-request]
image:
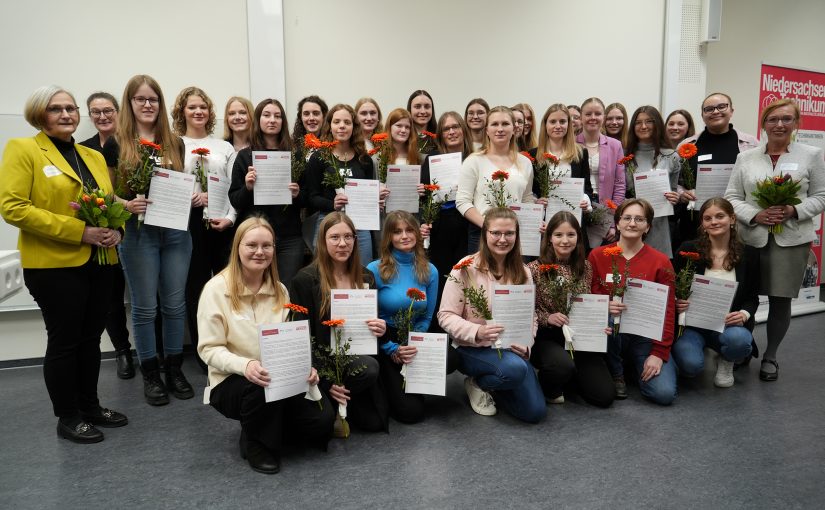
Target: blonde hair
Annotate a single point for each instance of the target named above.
(571, 151)
(530, 139)
(513, 149)
(234, 270)
(379, 128)
(763, 117)
(228, 134)
(178, 117)
(35, 109)
(387, 267)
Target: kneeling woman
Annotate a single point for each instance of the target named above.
(337, 265)
(721, 255)
(403, 266)
(563, 245)
(510, 377)
(657, 376)
(232, 305)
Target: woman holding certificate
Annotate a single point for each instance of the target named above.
(782, 173)
(632, 257)
(465, 315)
(403, 277)
(270, 134)
(155, 259)
(719, 253)
(337, 265)
(648, 144)
(478, 189)
(563, 245)
(233, 304)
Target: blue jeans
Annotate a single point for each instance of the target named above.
(289, 254)
(156, 263)
(661, 389)
(733, 343)
(511, 379)
(364, 241)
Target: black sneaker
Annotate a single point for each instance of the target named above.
(621, 387)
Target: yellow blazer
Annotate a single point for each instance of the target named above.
(36, 186)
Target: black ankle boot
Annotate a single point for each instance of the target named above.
(125, 365)
(153, 388)
(176, 383)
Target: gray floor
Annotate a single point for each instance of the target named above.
(756, 445)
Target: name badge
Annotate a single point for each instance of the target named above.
(51, 171)
(788, 167)
(704, 157)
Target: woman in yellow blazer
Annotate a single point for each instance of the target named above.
(39, 176)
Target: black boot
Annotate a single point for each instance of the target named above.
(125, 365)
(176, 383)
(153, 388)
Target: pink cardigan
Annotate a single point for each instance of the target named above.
(611, 173)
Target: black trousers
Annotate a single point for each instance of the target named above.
(116, 318)
(448, 245)
(367, 407)
(74, 302)
(586, 373)
(270, 423)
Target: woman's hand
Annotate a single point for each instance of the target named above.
(256, 374)
(542, 201)
(137, 205)
(313, 377)
(672, 197)
(584, 205)
(773, 215)
(612, 235)
(425, 229)
(652, 368)
(735, 319)
(522, 351)
(249, 180)
(200, 199)
(294, 189)
(339, 394)
(558, 319)
(99, 236)
(616, 307)
(220, 224)
(420, 189)
(404, 354)
(340, 201)
(488, 333)
(687, 196)
(377, 326)
(382, 196)
(542, 227)
(682, 305)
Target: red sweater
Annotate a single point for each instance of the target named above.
(651, 265)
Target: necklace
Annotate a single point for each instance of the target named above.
(79, 168)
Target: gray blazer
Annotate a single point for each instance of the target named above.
(803, 162)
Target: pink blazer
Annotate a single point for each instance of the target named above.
(611, 173)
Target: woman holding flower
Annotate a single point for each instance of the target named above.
(337, 265)
(270, 133)
(403, 146)
(776, 191)
(478, 190)
(562, 269)
(632, 257)
(155, 259)
(422, 109)
(407, 293)
(719, 253)
(504, 373)
(233, 304)
(39, 178)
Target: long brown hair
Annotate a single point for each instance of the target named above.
(622, 138)
(412, 155)
(465, 131)
(356, 139)
(577, 257)
(387, 267)
(257, 141)
(323, 261)
(659, 136)
(234, 270)
(513, 271)
(735, 247)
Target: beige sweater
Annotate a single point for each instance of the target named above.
(228, 340)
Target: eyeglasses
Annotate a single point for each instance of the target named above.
(721, 107)
(254, 247)
(451, 127)
(773, 121)
(336, 239)
(57, 110)
(635, 219)
(106, 112)
(140, 100)
(495, 234)
(476, 114)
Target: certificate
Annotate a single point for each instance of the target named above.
(285, 354)
(513, 307)
(273, 173)
(171, 195)
(444, 170)
(588, 319)
(568, 192)
(646, 307)
(711, 181)
(427, 373)
(356, 307)
(710, 300)
(362, 204)
(652, 186)
(402, 181)
(530, 217)
(217, 186)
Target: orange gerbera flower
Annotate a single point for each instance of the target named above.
(464, 263)
(627, 159)
(312, 141)
(551, 158)
(429, 134)
(333, 323)
(151, 145)
(432, 187)
(416, 294)
(500, 175)
(201, 151)
(610, 204)
(692, 255)
(296, 308)
(528, 156)
(545, 268)
(613, 251)
(372, 152)
(687, 151)
(378, 137)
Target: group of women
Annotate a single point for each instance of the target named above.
(236, 269)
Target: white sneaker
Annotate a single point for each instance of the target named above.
(481, 401)
(724, 373)
(557, 400)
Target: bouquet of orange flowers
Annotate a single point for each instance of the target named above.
(778, 190)
(98, 209)
(559, 291)
(599, 214)
(139, 177)
(683, 281)
(201, 175)
(687, 151)
(335, 363)
(476, 297)
(618, 283)
(498, 195)
(381, 146)
(431, 207)
(335, 179)
(629, 163)
(547, 175)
